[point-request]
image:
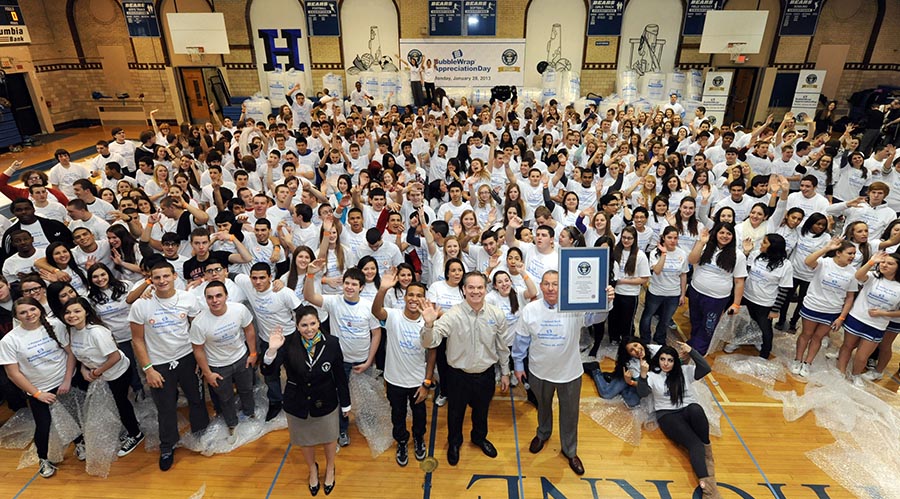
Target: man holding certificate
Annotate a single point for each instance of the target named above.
(550, 340)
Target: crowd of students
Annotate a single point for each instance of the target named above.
(192, 249)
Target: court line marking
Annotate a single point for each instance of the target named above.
(26, 485)
(715, 383)
(775, 405)
(746, 448)
(512, 405)
(431, 438)
(278, 471)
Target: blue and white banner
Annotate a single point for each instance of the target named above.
(323, 18)
(800, 17)
(715, 95)
(605, 17)
(445, 17)
(806, 96)
(471, 63)
(695, 15)
(481, 17)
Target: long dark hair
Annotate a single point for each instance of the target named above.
(632, 257)
(73, 265)
(363, 262)
(513, 296)
(294, 276)
(53, 301)
(727, 258)
(398, 289)
(126, 250)
(90, 315)
(692, 224)
(666, 231)
(813, 219)
(622, 356)
(674, 378)
(776, 254)
(34, 303)
(97, 296)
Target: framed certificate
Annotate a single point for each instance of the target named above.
(583, 277)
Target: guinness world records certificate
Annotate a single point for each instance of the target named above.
(583, 277)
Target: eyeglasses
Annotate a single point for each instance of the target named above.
(213, 271)
(32, 291)
(169, 243)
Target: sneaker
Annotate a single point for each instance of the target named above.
(420, 450)
(47, 468)
(513, 380)
(795, 366)
(731, 347)
(344, 440)
(831, 355)
(804, 370)
(80, 451)
(871, 363)
(858, 382)
(781, 326)
(402, 454)
(872, 375)
(792, 329)
(129, 444)
(440, 400)
(166, 459)
(826, 342)
(232, 438)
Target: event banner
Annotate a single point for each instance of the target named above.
(806, 96)
(140, 16)
(471, 63)
(715, 95)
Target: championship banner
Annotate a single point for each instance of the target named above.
(715, 95)
(806, 96)
(470, 63)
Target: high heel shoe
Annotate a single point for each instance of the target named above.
(329, 488)
(314, 489)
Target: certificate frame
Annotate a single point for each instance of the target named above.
(583, 278)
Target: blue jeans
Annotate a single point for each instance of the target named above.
(665, 307)
(345, 420)
(616, 386)
(273, 381)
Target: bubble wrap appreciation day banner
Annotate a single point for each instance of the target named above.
(470, 63)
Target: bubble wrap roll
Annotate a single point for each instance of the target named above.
(371, 410)
(738, 329)
(101, 429)
(706, 401)
(750, 369)
(615, 417)
(18, 430)
(65, 427)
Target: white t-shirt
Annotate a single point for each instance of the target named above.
(166, 322)
(641, 269)
(37, 232)
(96, 224)
(40, 359)
(877, 293)
(64, 178)
(715, 282)
(443, 295)
(115, 315)
(829, 286)
(404, 362)
(661, 399)
(668, 282)
(806, 245)
(93, 345)
(553, 354)
(352, 324)
(502, 302)
(537, 263)
(222, 336)
(271, 309)
(15, 265)
(818, 203)
(761, 286)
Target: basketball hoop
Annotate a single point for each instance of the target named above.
(736, 49)
(196, 53)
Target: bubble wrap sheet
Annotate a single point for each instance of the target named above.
(706, 401)
(863, 423)
(18, 430)
(619, 420)
(371, 410)
(102, 427)
(64, 428)
(216, 440)
(750, 369)
(738, 329)
(200, 493)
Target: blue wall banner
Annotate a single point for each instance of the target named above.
(605, 17)
(445, 17)
(323, 18)
(800, 17)
(12, 24)
(695, 15)
(480, 17)
(140, 16)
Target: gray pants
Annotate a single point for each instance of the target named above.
(239, 375)
(569, 395)
(183, 375)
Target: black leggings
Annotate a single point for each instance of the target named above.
(760, 316)
(689, 428)
(42, 419)
(621, 317)
(800, 288)
(119, 389)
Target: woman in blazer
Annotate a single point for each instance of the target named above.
(316, 386)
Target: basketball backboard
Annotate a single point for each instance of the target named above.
(192, 31)
(726, 29)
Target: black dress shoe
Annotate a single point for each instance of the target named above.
(487, 447)
(328, 488)
(590, 367)
(536, 445)
(314, 489)
(453, 455)
(575, 464)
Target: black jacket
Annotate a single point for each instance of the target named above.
(313, 388)
(54, 231)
